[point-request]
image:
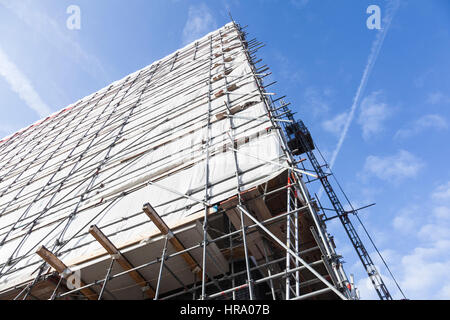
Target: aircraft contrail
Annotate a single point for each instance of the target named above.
(22, 85)
(375, 50)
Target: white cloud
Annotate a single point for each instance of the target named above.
(367, 290)
(442, 212)
(419, 251)
(393, 168)
(372, 115)
(435, 231)
(438, 97)
(425, 271)
(200, 22)
(20, 84)
(442, 192)
(335, 125)
(316, 100)
(429, 121)
(421, 269)
(406, 220)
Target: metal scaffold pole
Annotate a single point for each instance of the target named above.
(304, 144)
(208, 140)
(157, 180)
(231, 136)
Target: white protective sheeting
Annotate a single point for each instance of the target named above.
(142, 139)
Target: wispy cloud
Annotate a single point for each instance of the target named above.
(431, 255)
(373, 113)
(55, 34)
(442, 192)
(293, 75)
(299, 3)
(429, 121)
(375, 50)
(316, 101)
(20, 84)
(442, 212)
(405, 221)
(393, 168)
(336, 124)
(438, 97)
(420, 80)
(200, 21)
(423, 269)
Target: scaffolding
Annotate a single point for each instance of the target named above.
(181, 181)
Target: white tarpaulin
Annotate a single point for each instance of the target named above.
(142, 139)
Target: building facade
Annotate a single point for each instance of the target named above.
(179, 181)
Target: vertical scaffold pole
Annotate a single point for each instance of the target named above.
(297, 249)
(232, 141)
(295, 256)
(288, 236)
(205, 219)
(108, 274)
(161, 267)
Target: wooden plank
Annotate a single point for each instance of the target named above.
(179, 224)
(121, 259)
(59, 266)
(164, 228)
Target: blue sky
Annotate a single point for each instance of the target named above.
(395, 151)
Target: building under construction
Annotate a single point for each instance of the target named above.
(185, 180)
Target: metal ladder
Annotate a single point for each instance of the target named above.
(299, 137)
